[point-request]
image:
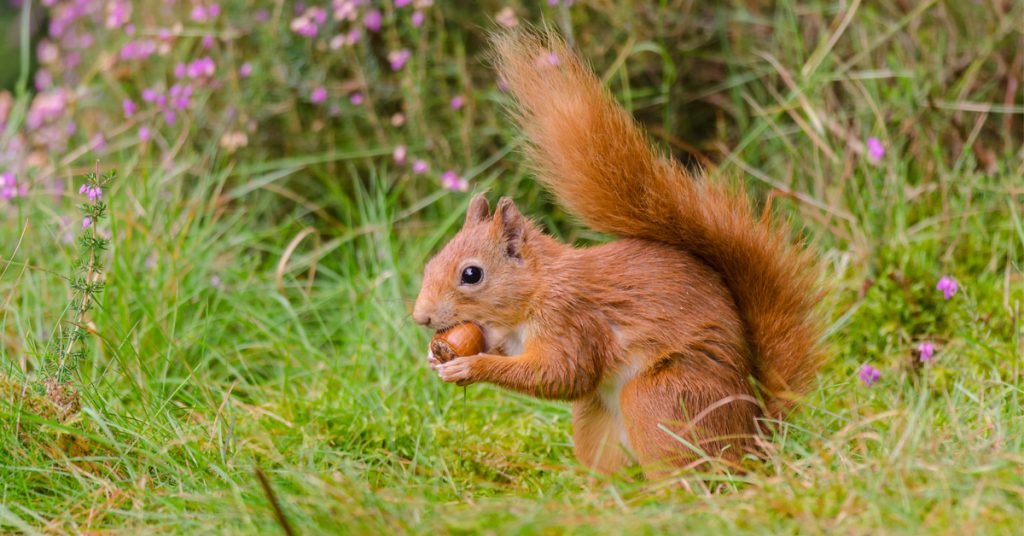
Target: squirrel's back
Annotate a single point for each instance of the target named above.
(595, 159)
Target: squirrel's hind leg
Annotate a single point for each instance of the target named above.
(598, 434)
(685, 409)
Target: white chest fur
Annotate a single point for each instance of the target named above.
(510, 341)
(610, 392)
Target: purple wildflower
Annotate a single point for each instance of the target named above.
(318, 95)
(372, 20)
(869, 375)
(399, 154)
(948, 286)
(86, 222)
(458, 102)
(398, 58)
(201, 67)
(452, 181)
(9, 186)
(129, 107)
(245, 70)
(402, 3)
(118, 13)
(417, 19)
(138, 50)
(208, 41)
(420, 167)
(199, 13)
(143, 133)
(356, 98)
(875, 149)
(926, 350)
(180, 70)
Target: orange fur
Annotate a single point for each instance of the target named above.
(654, 338)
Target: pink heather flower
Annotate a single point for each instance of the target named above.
(452, 181)
(129, 29)
(398, 58)
(458, 102)
(150, 95)
(420, 167)
(9, 186)
(399, 155)
(875, 149)
(346, 39)
(245, 70)
(138, 50)
(344, 9)
(180, 96)
(318, 95)
(926, 351)
(948, 286)
(86, 222)
(208, 41)
(46, 107)
(372, 20)
(308, 24)
(417, 19)
(507, 17)
(869, 375)
(129, 107)
(118, 13)
(47, 52)
(356, 98)
(92, 192)
(170, 117)
(201, 67)
(43, 80)
(143, 133)
(199, 13)
(180, 70)
(402, 3)
(83, 189)
(213, 11)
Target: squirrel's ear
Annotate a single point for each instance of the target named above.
(478, 210)
(511, 227)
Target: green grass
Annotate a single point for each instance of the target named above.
(323, 383)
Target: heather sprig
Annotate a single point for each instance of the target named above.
(65, 349)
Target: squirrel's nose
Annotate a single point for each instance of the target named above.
(421, 318)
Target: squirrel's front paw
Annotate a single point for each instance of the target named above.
(432, 361)
(458, 370)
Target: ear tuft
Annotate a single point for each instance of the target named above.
(511, 227)
(478, 210)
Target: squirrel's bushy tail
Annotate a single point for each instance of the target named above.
(595, 159)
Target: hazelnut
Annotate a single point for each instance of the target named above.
(457, 341)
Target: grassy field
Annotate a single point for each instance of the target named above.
(266, 244)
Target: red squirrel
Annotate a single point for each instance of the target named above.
(670, 342)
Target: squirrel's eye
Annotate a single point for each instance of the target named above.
(471, 275)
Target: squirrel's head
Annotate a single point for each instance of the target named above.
(483, 274)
